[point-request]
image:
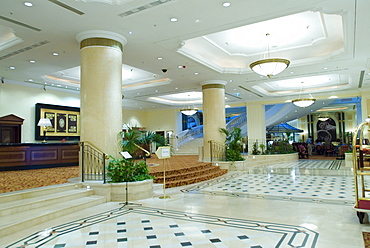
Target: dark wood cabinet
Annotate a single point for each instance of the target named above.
(10, 129)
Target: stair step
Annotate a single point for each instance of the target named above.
(204, 177)
(208, 170)
(26, 204)
(28, 193)
(14, 222)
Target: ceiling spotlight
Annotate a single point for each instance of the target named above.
(55, 54)
(226, 4)
(32, 61)
(12, 68)
(173, 19)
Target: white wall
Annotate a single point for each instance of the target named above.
(21, 100)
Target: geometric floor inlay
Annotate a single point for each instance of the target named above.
(324, 189)
(159, 228)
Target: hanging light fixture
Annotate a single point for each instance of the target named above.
(269, 66)
(303, 102)
(324, 117)
(189, 110)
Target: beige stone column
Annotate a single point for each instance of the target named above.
(256, 127)
(101, 88)
(213, 114)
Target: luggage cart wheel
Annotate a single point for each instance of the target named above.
(361, 217)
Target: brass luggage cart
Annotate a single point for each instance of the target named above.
(361, 170)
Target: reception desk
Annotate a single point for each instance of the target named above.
(38, 155)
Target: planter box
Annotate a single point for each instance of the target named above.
(348, 159)
(117, 191)
(136, 190)
(257, 160)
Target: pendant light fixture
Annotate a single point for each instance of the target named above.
(189, 110)
(303, 102)
(269, 66)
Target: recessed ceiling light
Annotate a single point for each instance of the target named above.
(159, 58)
(12, 68)
(129, 32)
(59, 85)
(173, 19)
(176, 88)
(52, 84)
(196, 73)
(226, 4)
(325, 68)
(55, 54)
(156, 90)
(32, 61)
(28, 4)
(31, 80)
(45, 83)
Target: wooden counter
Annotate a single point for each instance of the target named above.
(38, 155)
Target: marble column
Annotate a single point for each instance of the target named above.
(213, 114)
(101, 88)
(256, 128)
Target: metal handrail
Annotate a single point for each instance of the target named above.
(93, 162)
(217, 150)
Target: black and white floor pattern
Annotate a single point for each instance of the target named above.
(311, 164)
(156, 228)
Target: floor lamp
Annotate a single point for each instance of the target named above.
(44, 122)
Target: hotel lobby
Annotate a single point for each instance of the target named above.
(97, 67)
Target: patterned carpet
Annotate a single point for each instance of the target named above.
(366, 236)
(28, 179)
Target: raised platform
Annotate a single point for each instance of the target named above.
(183, 170)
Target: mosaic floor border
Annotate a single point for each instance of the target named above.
(160, 228)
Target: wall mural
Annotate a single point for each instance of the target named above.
(326, 130)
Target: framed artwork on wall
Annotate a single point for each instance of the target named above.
(65, 122)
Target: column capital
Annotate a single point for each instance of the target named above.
(101, 38)
(213, 84)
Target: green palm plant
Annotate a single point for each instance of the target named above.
(128, 140)
(233, 144)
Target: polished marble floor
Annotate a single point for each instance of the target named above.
(272, 206)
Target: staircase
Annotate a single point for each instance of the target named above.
(190, 148)
(26, 208)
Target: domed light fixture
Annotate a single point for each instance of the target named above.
(324, 117)
(189, 110)
(303, 102)
(269, 66)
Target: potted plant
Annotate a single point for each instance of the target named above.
(129, 179)
(233, 144)
(127, 170)
(137, 142)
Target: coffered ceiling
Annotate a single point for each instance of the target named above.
(327, 43)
